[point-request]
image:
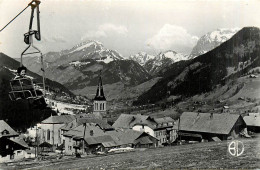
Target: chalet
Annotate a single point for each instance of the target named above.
(253, 122)
(11, 146)
(160, 128)
(133, 138)
(75, 139)
(100, 143)
(81, 119)
(198, 126)
(90, 137)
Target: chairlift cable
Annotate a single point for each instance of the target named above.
(14, 18)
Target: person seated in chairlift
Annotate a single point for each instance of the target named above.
(39, 99)
(21, 73)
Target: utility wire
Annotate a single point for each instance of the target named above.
(14, 18)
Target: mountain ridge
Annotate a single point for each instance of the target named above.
(204, 72)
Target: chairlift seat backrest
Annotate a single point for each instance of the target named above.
(22, 84)
(27, 84)
(15, 85)
(23, 88)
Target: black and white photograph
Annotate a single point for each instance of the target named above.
(129, 84)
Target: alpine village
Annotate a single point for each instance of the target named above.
(151, 111)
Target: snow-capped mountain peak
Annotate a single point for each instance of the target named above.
(88, 50)
(153, 64)
(211, 40)
(222, 35)
(141, 58)
(96, 45)
(174, 56)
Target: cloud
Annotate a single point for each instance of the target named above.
(104, 31)
(172, 37)
(55, 39)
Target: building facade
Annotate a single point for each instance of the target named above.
(49, 130)
(160, 128)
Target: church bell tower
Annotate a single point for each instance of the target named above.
(100, 103)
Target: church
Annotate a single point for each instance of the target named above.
(100, 103)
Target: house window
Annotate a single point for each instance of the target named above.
(59, 134)
(48, 134)
(103, 106)
(5, 132)
(91, 132)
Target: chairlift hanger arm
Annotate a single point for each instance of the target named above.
(34, 4)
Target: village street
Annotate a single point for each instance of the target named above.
(200, 155)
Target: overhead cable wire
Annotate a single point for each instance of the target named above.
(14, 18)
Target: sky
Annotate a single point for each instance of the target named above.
(127, 26)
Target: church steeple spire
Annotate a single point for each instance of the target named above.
(100, 103)
(100, 93)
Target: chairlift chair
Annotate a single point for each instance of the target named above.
(24, 88)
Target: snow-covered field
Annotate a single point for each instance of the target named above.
(65, 107)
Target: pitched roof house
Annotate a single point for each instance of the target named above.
(127, 121)
(11, 147)
(62, 119)
(6, 130)
(161, 128)
(81, 120)
(129, 137)
(253, 122)
(76, 139)
(209, 125)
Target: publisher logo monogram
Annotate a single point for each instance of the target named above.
(236, 148)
